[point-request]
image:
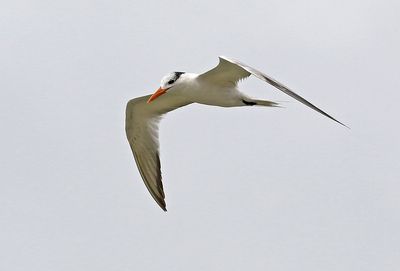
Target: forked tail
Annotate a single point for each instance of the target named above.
(260, 102)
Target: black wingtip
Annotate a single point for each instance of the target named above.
(163, 206)
(332, 118)
(344, 125)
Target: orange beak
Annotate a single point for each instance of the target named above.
(156, 94)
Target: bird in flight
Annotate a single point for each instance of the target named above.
(218, 87)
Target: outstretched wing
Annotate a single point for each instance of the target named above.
(230, 71)
(225, 73)
(141, 126)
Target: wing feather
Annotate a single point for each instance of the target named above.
(141, 126)
(225, 73)
(231, 71)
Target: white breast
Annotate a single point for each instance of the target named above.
(205, 92)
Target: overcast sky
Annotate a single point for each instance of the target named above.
(246, 188)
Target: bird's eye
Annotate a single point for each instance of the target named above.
(171, 82)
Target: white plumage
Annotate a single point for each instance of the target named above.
(217, 87)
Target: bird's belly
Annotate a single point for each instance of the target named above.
(219, 97)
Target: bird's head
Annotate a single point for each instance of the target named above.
(167, 82)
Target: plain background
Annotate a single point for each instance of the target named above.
(246, 188)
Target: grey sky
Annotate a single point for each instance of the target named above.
(246, 188)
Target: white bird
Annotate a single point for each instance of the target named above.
(217, 87)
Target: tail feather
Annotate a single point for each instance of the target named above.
(266, 103)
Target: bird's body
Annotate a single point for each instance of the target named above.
(193, 89)
(204, 92)
(217, 87)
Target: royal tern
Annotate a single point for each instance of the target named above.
(217, 87)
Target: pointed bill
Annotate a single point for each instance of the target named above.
(157, 94)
